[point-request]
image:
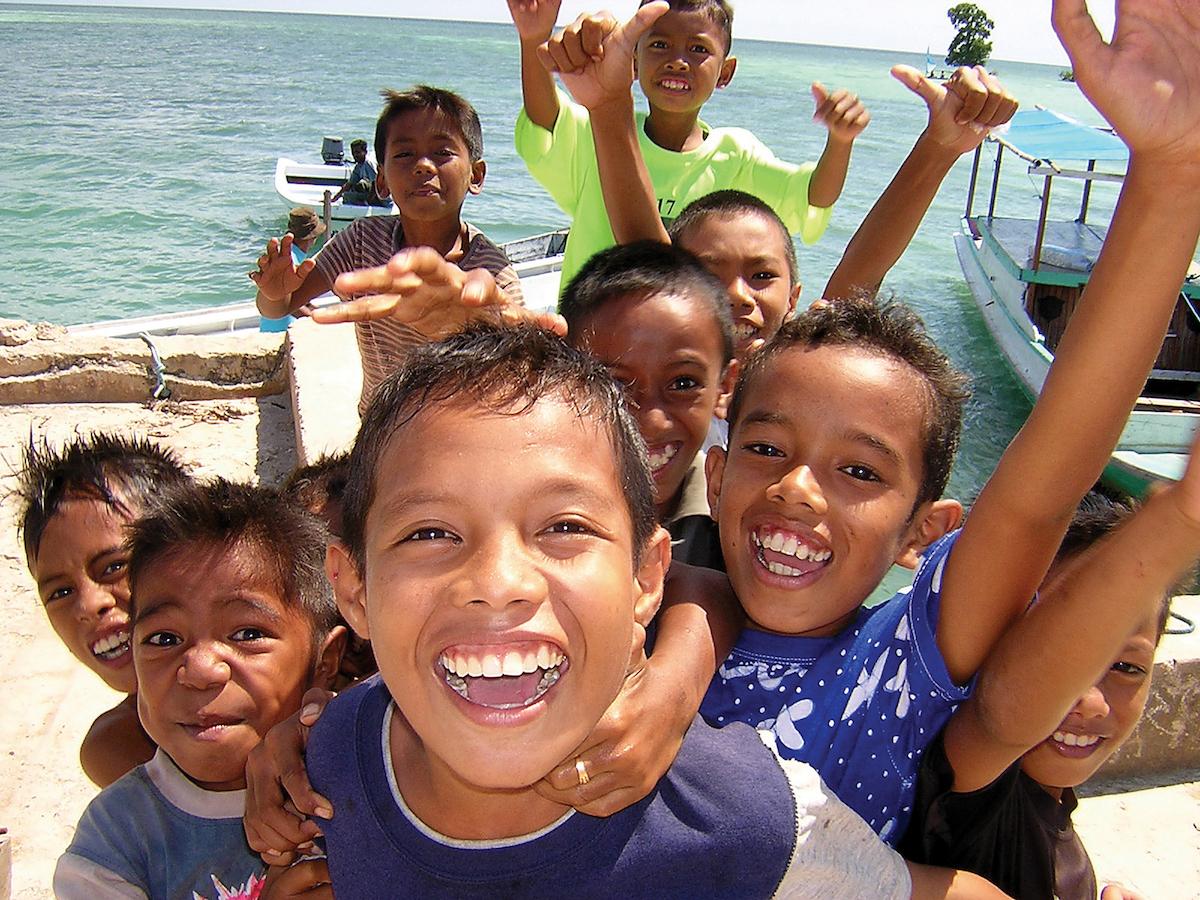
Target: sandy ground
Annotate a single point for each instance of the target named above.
(49, 699)
(1148, 837)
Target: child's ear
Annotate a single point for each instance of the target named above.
(728, 382)
(714, 471)
(478, 173)
(651, 571)
(797, 288)
(727, 69)
(381, 186)
(932, 521)
(329, 658)
(348, 588)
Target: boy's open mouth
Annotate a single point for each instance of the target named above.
(506, 676)
(1074, 745)
(662, 454)
(675, 85)
(787, 553)
(112, 646)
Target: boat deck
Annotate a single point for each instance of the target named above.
(1064, 242)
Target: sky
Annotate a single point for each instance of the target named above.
(1022, 31)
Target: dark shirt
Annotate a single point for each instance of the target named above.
(1011, 832)
(694, 536)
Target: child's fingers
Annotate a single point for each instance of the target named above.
(1079, 35)
(631, 32)
(365, 309)
(970, 90)
(591, 37)
(917, 83)
(820, 94)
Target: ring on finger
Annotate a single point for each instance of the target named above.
(582, 772)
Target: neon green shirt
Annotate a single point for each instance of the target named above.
(564, 162)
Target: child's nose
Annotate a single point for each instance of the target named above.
(741, 298)
(1093, 704)
(504, 573)
(203, 667)
(93, 601)
(800, 487)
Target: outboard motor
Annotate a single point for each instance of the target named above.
(333, 151)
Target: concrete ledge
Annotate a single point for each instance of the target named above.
(325, 378)
(1167, 740)
(44, 364)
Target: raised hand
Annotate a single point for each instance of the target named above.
(534, 18)
(963, 109)
(277, 276)
(420, 288)
(1146, 80)
(594, 54)
(841, 112)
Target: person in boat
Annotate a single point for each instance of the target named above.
(431, 143)
(506, 590)
(359, 189)
(76, 502)
(305, 227)
(233, 620)
(996, 789)
(682, 59)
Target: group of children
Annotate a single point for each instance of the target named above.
(560, 700)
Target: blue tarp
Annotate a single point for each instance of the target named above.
(1047, 135)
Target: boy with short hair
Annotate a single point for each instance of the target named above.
(232, 620)
(681, 60)
(659, 321)
(75, 504)
(429, 144)
(507, 586)
(840, 432)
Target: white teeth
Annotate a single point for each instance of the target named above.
(790, 545)
(494, 665)
(111, 646)
(1075, 740)
(660, 458)
(741, 331)
(778, 569)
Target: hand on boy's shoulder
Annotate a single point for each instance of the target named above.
(422, 289)
(308, 878)
(594, 54)
(963, 108)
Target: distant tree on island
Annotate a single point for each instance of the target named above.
(970, 46)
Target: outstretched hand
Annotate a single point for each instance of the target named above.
(534, 18)
(1146, 80)
(594, 54)
(841, 112)
(963, 109)
(277, 276)
(420, 288)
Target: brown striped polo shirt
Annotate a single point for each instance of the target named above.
(372, 241)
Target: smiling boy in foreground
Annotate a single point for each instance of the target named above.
(506, 586)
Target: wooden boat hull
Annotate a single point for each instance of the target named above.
(1153, 446)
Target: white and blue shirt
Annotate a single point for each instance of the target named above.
(860, 707)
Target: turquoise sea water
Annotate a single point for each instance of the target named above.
(139, 148)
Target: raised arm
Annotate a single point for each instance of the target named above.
(284, 286)
(844, 117)
(960, 112)
(1075, 631)
(535, 23)
(1147, 84)
(594, 57)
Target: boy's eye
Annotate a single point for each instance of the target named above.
(162, 639)
(1128, 668)
(763, 276)
(657, 44)
(57, 594)
(431, 534)
(861, 473)
(699, 48)
(248, 634)
(568, 526)
(685, 383)
(758, 448)
(116, 567)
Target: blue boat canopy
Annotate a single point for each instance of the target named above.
(1046, 135)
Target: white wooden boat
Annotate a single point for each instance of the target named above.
(306, 184)
(1027, 275)
(537, 259)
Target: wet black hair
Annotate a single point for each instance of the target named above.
(719, 12)
(421, 97)
(733, 204)
(121, 471)
(501, 370)
(642, 270)
(1097, 515)
(289, 542)
(889, 329)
